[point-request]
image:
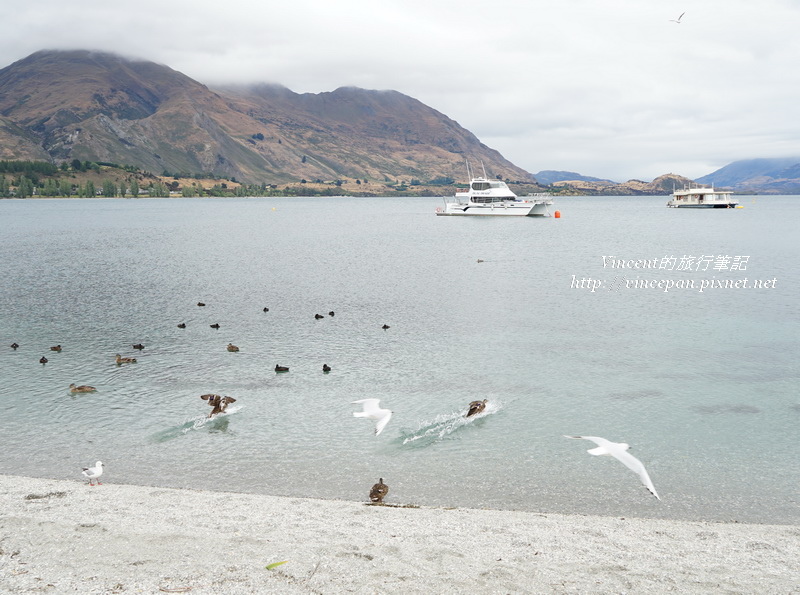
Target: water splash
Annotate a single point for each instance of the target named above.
(445, 424)
(218, 423)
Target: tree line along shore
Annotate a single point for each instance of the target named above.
(90, 179)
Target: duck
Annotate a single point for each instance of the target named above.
(125, 360)
(43, 360)
(138, 346)
(318, 316)
(83, 388)
(232, 348)
(281, 368)
(215, 325)
(266, 309)
(201, 304)
(326, 368)
(385, 326)
(331, 313)
(182, 325)
(55, 348)
(218, 403)
(378, 492)
(476, 407)
(14, 346)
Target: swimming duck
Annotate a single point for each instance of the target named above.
(83, 388)
(200, 304)
(43, 360)
(55, 348)
(331, 313)
(138, 346)
(14, 346)
(378, 492)
(281, 368)
(326, 368)
(385, 326)
(232, 348)
(125, 360)
(476, 407)
(218, 403)
(266, 309)
(182, 325)
(215, 325)
(318, 316)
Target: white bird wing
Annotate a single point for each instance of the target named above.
(382, 421)
(606, 447)
(370, 405)
(635, 465)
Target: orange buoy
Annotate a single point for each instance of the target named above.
(557, 214)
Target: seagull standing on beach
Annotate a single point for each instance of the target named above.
(372, 411)
(619, 450)
(93, 473)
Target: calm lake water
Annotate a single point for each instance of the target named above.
(703, 384)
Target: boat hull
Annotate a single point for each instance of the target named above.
(510, 209)
(706, 206)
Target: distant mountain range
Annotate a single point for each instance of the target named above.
(750, 176)
(64, 105)
(60, 106)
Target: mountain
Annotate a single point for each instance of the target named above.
(662, 185)
(94, 106)
(549, 176)
(773, 176)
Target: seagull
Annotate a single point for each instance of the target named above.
(678, 20)
(92, 473)
(619, 450)
(378, 492)
(372, 411)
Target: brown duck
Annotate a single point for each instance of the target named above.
(378, 492)
(476, 407)
(83, 388)
(219, 404)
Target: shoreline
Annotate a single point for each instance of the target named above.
(64, 536)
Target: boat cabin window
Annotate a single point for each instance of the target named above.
(480, 185)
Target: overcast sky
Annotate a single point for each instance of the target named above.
(606, 88)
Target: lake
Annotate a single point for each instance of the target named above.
(687, 349)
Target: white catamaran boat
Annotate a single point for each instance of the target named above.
(702, 198)
(494, 197)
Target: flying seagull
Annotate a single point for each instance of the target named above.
(678, 20)
(619, 450)
(92, 473)
(372, 411)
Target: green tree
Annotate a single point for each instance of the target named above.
(134, 188)
(65, 188)
(5, 190)
(122, 188)
(24, 188)
(109, 188)
(89, 190)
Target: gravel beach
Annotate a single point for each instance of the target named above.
(61, 536)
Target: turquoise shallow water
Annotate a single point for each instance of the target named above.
(703, 384)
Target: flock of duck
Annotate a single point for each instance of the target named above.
(370, 410)
(220, 403)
